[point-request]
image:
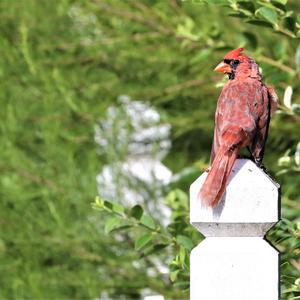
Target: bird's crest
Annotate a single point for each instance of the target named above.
(234, 54)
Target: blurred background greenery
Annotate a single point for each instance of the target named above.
(63, 64)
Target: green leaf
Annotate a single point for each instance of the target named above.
(284, 2)
(280, 50)
(148, 222)
(279, 6)
(111, 224)
(115, 207)
(284, 161)
(185, 29)
(142, 241)
(268, 14)
(247, 6)
(154, 249)
(173, 275)
(108, 205)
(118, 208)
(182, 284)
(98, 204)
(238, 15)
(290, 23)
(136, 212)
(177, 199)
(182, 256)
(260, 23)
(185, 241)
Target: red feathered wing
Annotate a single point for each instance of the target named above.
(241, 120)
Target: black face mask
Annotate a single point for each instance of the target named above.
(233, 64)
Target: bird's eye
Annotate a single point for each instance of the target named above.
(234, 63)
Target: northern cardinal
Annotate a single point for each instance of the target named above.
(241, 120)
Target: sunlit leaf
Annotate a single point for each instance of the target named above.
(268, 14)
(148, 222)
(185, 241)
(111, 224)
(142, 241)
(98, 204)
(284, 2)
(182, 256)
(287, 98)
(173, 275)
(284, 161)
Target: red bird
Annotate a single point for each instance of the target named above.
(241, 120)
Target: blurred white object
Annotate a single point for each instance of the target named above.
(134, 141)
(155, 297)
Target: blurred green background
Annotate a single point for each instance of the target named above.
(63, 63)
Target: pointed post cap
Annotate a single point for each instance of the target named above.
(249, 207)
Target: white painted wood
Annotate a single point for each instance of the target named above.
(234, 268)
(248, 208)
(234, 262)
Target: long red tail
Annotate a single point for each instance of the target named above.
(215, 183)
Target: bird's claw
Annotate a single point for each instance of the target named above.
(259, 164)
(208, 169)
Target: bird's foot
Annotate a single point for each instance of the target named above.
(258, 162)
(208, 169)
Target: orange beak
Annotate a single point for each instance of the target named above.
(223, 68)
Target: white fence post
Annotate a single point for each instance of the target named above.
(234, 262)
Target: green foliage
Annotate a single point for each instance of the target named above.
(62, 64)
(286, 238)
(151, 239)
